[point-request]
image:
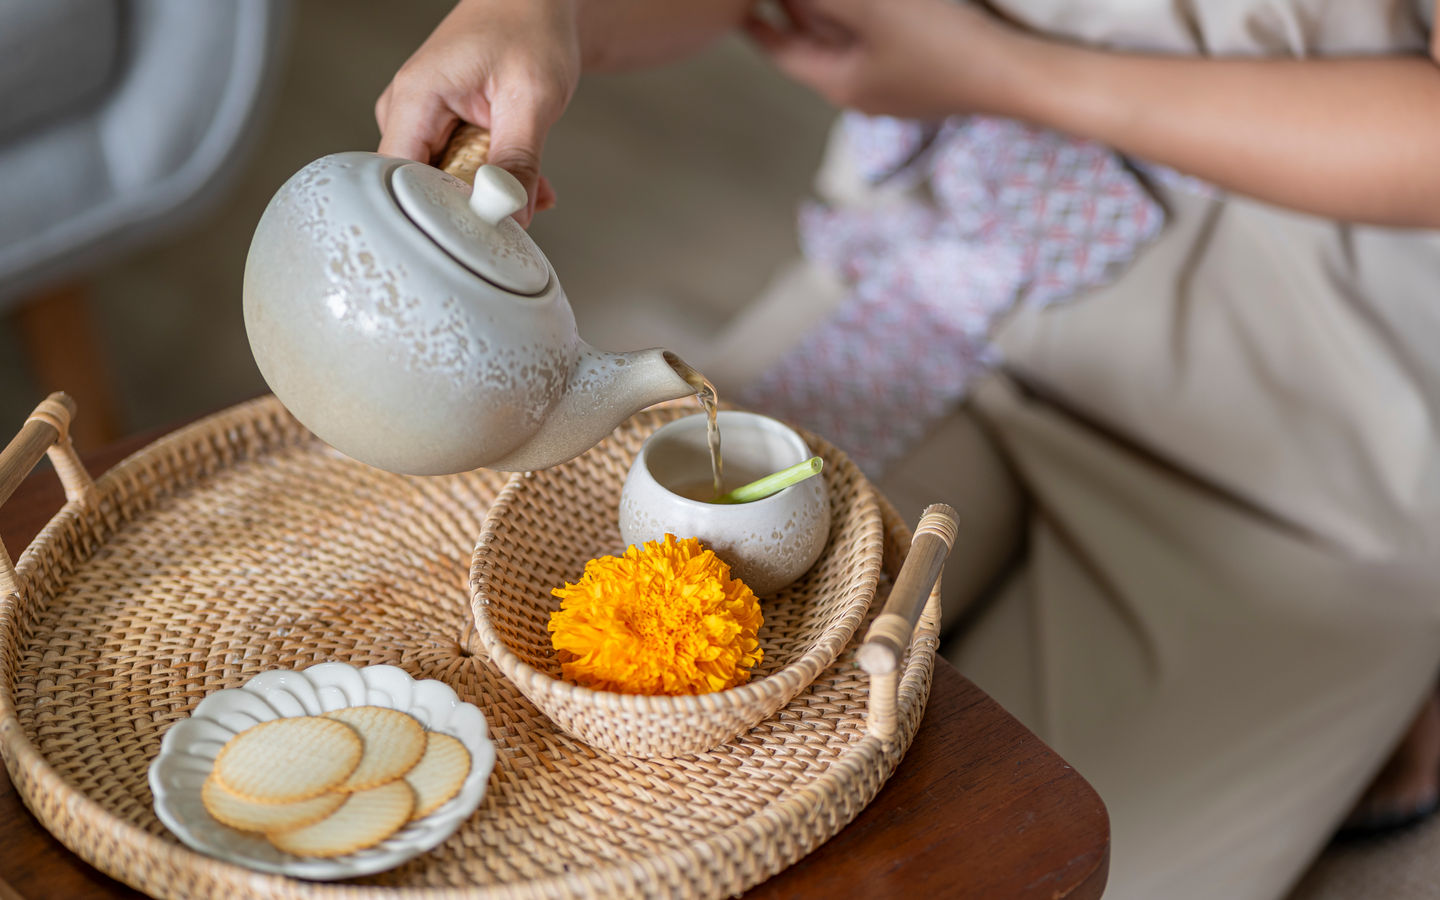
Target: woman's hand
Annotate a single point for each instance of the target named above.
(505, 65)
(920, 59)
(1349, 138)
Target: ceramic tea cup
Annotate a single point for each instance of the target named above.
(768, 543)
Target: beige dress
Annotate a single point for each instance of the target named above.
(1220, 476)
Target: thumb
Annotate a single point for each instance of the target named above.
(517, 137)
(544, 195)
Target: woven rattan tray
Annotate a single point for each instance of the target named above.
(242, 544)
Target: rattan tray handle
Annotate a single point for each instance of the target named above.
(889, 634)
(46, 431)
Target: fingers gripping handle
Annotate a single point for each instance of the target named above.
(47, 431)
(497, 194)
(890, 633)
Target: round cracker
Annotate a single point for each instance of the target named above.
(248, 815)
(364, 820)
(394, 742)
(439, 774)
(289, 760)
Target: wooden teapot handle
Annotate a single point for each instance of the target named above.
(466, 153)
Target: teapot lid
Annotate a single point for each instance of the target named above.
(476, 229)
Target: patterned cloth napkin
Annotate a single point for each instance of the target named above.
(1016, 214)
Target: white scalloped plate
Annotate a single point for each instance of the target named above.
(190, 746)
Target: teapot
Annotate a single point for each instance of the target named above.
(406, 319)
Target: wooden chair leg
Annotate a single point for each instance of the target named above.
(62, 341)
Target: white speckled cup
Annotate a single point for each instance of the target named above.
(768, 543)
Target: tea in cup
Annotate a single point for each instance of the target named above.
(768, 543)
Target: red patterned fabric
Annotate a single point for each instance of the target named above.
(1016, 214)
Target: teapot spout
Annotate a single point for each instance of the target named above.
(604, 390)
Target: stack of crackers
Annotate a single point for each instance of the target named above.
(330, 785)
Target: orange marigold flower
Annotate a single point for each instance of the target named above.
(667, 619)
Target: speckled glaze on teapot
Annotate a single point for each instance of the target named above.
(412, 324)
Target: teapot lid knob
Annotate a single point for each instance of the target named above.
(474, 225)
(497, 194)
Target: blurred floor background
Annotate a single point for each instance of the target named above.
(677, 196)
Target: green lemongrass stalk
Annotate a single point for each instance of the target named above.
(774, 483)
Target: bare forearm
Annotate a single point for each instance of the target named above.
(617, 35)
(1352, 139)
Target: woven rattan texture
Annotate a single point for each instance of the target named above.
(526, 550)
(241, 544)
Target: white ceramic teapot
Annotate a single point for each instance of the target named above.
(412, 324)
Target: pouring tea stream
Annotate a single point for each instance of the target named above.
(408, 321)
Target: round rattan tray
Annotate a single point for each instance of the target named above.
(242, 544)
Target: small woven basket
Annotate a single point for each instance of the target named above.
(545, 525)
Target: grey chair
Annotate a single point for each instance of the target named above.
(120, 121)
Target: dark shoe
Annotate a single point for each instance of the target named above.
(1381, 824)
